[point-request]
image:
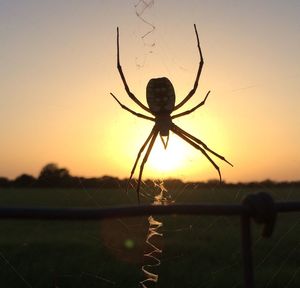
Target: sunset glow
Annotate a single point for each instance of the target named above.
(168, 159)
(57, 74)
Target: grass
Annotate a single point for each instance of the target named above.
(197, 251)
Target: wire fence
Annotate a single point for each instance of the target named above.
(259, 207)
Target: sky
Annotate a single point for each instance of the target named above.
(58, 67)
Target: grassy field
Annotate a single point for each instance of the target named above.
(197, 251)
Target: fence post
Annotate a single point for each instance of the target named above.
(247, 251)
(261, 207)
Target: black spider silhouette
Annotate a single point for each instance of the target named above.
(161, 101)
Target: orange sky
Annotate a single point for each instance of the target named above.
(58, 65)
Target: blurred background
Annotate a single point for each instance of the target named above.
(58, 66)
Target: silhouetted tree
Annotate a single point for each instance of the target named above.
(268, 183)
(4, 182)
(173, 184)
(53, 176)
(24, 181)
(214, 182)
(109, 182)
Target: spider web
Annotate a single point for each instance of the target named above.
(192, 244)
(196, 251)
(191, 249)
(201, 251)
(140, 10)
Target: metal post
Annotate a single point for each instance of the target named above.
(247, 251)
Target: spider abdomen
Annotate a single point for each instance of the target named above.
(160, 95)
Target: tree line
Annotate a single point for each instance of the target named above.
(52, 176)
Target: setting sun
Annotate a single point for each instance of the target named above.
(57, 73)
(169, 159)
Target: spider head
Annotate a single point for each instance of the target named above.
(160, 95)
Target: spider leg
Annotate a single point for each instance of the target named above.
(131, 111)
(181, 135)
(193, 109)
(200, 143)
(145, 160)
(192, 92)
(139, 155)
(130, 94)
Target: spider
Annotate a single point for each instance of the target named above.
(160, 96)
